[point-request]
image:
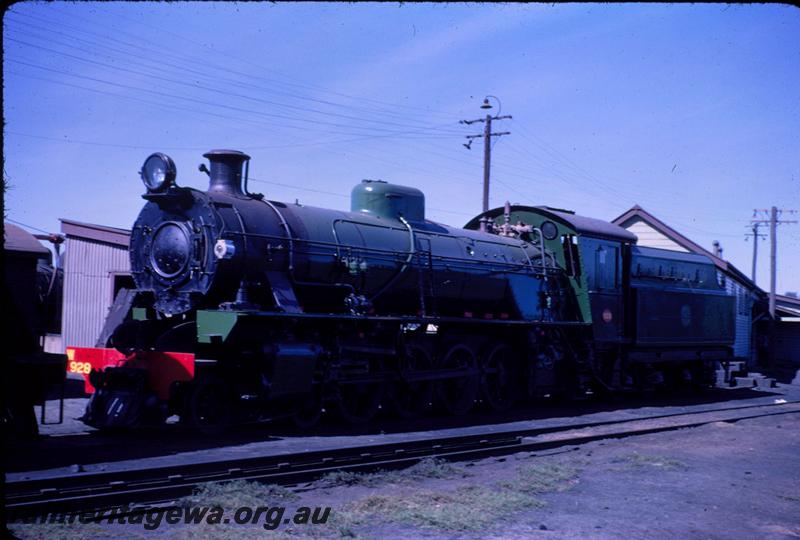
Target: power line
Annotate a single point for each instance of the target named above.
(97, 143)
(593, 181)
(303, 85)
(571, 181)
(509, 186)
(162, 105)
(499, 166)
(419, 128)
(437, 173)
(588, 181)
(223, 92)
(31, 227)
(187, 98)
(137, 48)
(205, 112)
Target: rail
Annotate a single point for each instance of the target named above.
(162, 485)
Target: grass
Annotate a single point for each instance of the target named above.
(638, 461)
(542, 478)
(467, 508)
(239, 493)
(224, 532)
(426, 469)
(453, 507)
(227, 495)
(60, 531)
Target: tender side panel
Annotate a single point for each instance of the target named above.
(674, 317)
(678, 299)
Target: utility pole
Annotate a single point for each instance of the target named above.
(487, 143)
(756, 237)
(774, 213)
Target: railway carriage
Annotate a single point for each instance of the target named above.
(248, 309)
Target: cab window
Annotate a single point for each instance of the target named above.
(572, 261)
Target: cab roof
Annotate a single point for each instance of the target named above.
(585, 226)
(589, 226)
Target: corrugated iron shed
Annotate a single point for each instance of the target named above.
(96, 256)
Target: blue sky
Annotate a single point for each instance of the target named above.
(691, 111)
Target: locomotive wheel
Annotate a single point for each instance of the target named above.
(210, 408)
(359, 402)
(308, 416)
(412, 399)
(457, 395)
(498, 383)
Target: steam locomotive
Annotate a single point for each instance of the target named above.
(248, 309)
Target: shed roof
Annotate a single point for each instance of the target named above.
(98, 233)
(637, 212)
(18, 240)
(787, 306)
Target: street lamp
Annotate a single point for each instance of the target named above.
(487, 105)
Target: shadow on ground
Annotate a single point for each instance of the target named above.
(95, 447)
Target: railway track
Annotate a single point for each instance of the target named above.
(163, 485)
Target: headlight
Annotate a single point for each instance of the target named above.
(158, 172)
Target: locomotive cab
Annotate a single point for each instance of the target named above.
(658, 317)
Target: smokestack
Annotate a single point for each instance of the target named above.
(717, 248)
(226, 171)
